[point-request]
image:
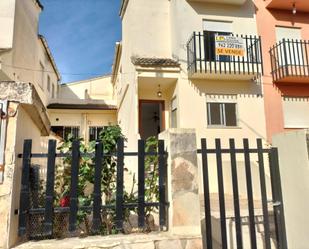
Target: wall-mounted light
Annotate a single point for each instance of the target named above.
(294, 9)
(159, 93)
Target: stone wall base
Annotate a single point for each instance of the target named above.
(132, 241)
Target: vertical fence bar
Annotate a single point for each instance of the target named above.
(298, 63)
(207, 205)
(74, 186)
(24, 204)
(194, 49)
(273, 69)
(207, 53)
(277, 199)
(285, 58)
(97, 199)
(263, 194)
(256, 53)
(236, 195)
(162, 171)
(290, 54)
(141, 183)
(120, 185)
(307, 60)
(221, 194)
(249, 194)
(294, 57)
(261, 55)
(200, 51)
(279, 58)
(50, 181)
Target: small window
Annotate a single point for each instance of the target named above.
(94, 132)
(64, 131)
(174, 113)
(222, 114)
(53, 91)
(296, 112)
(48, 83)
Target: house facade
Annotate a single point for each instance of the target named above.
(284, 26)
(83, 109)
(166, 72)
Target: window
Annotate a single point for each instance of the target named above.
(64, 131)
(211, 29)
(94, 132)
(210, 46)
(296, 112)
(290, 53)
(48, 83)
(174, 113)
(53, 91)
(221, 114)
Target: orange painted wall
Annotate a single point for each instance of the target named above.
(267, 20)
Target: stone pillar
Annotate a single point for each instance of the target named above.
(293, 150)
(182, 177)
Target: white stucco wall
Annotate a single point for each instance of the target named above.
(82, 118)
(185, 17)
(7, 10)
(294, 170)
(22, 61)
(96, 88)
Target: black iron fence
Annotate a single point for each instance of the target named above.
(290, 58)
(202, 57)
(40, 217)
(247, 154)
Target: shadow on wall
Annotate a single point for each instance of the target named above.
(231, 233)
(227, 10)
(245, 88)
(93, 89)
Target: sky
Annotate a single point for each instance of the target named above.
(81, 35)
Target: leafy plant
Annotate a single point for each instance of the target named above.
(109, 137)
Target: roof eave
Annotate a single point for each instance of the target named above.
(123, 8)
(50, 56)
(116, 62)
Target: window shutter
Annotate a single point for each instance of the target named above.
(296, 112)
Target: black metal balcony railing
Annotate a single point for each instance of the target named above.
(202, 58)
(289, 60)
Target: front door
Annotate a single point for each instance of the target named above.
(151, 118)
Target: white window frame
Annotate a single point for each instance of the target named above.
(222, 100)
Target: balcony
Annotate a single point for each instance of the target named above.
(234, 2)
(300, 5)
(206, 60)
(290, 61)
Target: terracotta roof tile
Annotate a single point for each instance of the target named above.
(154, 62)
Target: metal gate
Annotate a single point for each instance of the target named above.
(246, 153)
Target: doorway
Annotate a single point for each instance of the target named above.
(151, 118)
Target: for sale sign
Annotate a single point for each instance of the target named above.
(229, 45)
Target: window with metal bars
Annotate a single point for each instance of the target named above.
(64, 131)
(94, 132)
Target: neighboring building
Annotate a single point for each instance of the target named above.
(284, 26)
(28, 81)
(166, 73)
(83, 108)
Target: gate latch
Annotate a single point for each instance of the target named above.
(274, 203)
